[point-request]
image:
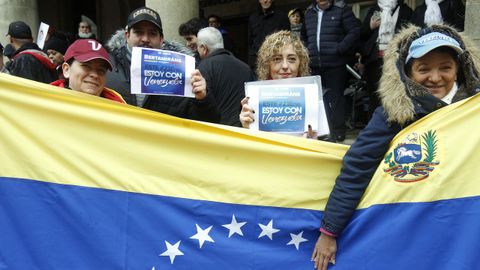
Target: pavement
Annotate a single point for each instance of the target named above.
(350, 136)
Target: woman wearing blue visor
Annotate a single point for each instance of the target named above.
(424, 70)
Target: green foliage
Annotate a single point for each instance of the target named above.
(430, 145)
(387, 158)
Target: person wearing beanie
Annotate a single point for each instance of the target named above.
(55, 47)
(85, 70)
(28, 61)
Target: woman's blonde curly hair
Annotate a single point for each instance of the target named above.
(272, 46)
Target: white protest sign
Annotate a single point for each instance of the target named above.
(288, 106)
(42, 34)
(160, 72)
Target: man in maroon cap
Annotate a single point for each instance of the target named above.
(85, 69)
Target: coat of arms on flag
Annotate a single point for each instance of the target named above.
(413, 158)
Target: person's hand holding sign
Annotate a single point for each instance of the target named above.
(247, 114)
(199, 85)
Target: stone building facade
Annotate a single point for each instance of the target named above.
(110, 15)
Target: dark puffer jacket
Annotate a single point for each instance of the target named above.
(260, 25)
(340, 30)
(30, 62)
(453, 13)
(403, 102)
(119, 80)
(119, 77)
(226, 77)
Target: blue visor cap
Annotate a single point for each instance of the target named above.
(426, 43)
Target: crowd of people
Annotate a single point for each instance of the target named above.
(327, 29)
(414, 62)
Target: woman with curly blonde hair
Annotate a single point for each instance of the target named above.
(282, 55)
(271, 52)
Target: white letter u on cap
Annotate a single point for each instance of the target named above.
(95, 45)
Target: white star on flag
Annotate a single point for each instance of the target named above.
(234, 227)
(202, 235)
(172, 251)
(268, 230)
(297, 239)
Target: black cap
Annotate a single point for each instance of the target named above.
(1, 46)
(19, 29)
(57, 43)
(144, 14)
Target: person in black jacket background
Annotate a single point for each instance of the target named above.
(330, 45)
(28, 61)
(451, 12)
(228, 44)
(261, 24)
(225, 74)
(395, 14)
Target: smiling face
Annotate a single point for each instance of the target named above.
(191, 42)
(144, 34)
(284, 64)
(88, 77)
(436, 71)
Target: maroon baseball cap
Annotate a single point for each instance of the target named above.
(84, 50)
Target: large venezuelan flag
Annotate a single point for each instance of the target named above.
(86, 183)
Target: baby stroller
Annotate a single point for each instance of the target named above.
(356, 97)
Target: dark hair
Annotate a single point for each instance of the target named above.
(191, 27)
(219, 20)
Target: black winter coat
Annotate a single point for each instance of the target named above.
(226, 77)
(189, 108)
(340, 31)
(369, 37)
(261, 25)
(35, 66)
(119, 78)
(403, 102)
(453, 13)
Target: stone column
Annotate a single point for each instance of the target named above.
(173, 13)
(472, 21)
(18, 10)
